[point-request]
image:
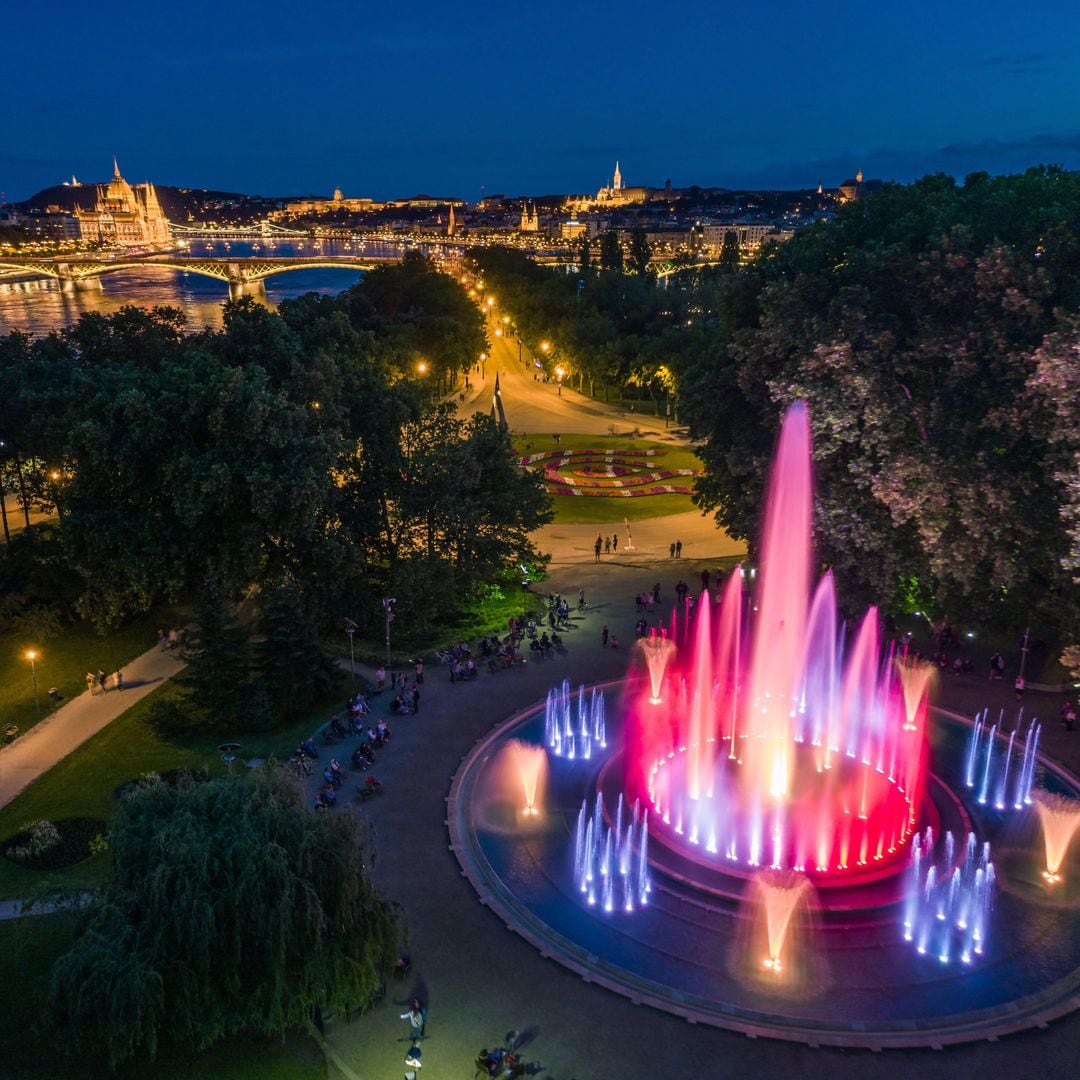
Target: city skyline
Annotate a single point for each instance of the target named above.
(539, 101)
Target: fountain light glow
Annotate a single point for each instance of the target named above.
(761, 738)
(1060, 819)
(527, 765)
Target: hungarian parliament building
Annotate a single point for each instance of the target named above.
(124, 215)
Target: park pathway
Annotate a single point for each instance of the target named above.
(33, 754)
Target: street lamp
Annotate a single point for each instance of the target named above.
(388, 606)
(350, 629)
(483, 365)
(421, 367)
(32, 655)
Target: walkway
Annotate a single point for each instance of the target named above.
(33, 754)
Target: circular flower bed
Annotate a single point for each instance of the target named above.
(53, 845)
(608, 473)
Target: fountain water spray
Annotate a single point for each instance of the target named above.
(949, 897)
(780, 896)
(658, 652)
(611, 863)
(528, 767)
(779, 741)
(574, 724)
(1060, 818)
(989, 765)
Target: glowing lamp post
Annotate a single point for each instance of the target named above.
(560, 371)
(32, 655)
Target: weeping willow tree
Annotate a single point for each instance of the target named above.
(233, 909)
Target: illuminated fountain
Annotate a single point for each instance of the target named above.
(1060, 818)
(611, 861)
(949, 897)
(526, 771)
(999, 769)
(574, 723)
(767, 740)
(657, 652)
(779, 897)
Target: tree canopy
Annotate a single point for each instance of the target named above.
(232, 909)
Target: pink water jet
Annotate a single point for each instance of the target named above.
(775, 743)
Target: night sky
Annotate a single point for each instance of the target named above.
(390, 99)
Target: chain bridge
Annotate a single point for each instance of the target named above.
(243, 275)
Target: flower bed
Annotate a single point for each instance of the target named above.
(607, 473)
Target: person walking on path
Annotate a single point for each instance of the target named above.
(417, 1015)
(597, 546)
(614, 543)
(604, 636)
(671, 550)
(101, 680)
(420, 671)
(118, 679)
(678, 549)
(91, 682)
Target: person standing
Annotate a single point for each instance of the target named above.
(416, 698)
(420, 671)
(614, 543)
(118, 679)
(607, 545)
(380, 679)
(597, 546)
(416, 1016)
(1019, 687)
(671, 550)
(604, 636)
(91, 682)
(678, 549)
(101, 680)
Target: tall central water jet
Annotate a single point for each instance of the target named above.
(775, 744)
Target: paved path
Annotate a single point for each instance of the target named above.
(33, 754)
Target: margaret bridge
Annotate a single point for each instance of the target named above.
(243, 275)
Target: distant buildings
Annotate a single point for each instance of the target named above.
(858, 188)
(337, 202)
(124, 216)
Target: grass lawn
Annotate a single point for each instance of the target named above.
(82, 784)
(63, 662)
(27, 949)
(600, 510)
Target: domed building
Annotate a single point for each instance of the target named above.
(124, 216)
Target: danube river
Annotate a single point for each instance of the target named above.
(38, 306)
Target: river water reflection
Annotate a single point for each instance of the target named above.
(38, 306)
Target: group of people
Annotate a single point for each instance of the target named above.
(609, 545)
(99, 683)
(675, 549)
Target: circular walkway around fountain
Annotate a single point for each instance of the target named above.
(861, 986)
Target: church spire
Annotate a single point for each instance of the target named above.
(115, 168)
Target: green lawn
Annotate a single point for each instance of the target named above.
(82, 784)
(27, 949)
(63, 662)
(600, 510)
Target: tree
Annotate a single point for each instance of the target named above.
(611, 255)
(219, 663)
(729, 252)
(295, 670)
(232, 909)
(640, 253)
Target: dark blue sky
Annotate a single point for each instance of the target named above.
(387, 98)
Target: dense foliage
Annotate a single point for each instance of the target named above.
(295, 450)
(934, 329)
(232, 909)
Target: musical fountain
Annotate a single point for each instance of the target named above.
(761, 795)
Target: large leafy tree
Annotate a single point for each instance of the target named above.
(232, 909)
